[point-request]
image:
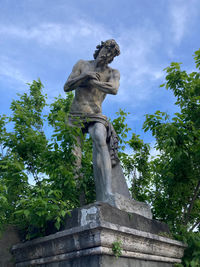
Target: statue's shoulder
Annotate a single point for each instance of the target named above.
(82, 63)
(114, 72)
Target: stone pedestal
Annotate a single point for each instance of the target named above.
(88, 237)
(8, 238)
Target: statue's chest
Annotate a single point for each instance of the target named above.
(104, 75)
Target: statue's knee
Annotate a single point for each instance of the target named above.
(99, 136)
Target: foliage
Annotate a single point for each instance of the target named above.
(175, 172)
(117, 248)
(121, 128)
(141, 178)
(27, 153)
(39, 207)
(192, 253)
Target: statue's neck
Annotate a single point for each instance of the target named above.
(100, 66)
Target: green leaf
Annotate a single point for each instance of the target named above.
(26, 213)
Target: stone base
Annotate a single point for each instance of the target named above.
(130, 205)
(100, 259)
(8, 238)
(104, 261)
(88, 238)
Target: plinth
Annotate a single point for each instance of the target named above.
(89, 235)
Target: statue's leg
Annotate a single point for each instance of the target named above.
(101, 161)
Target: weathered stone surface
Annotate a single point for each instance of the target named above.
(92, 80)
(98, 260)
(129, 205)
(9, 238)
(118, 184)
(95, 229)
(106, 260)
(99, 212)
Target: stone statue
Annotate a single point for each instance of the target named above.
(92, 81)
(89, 232)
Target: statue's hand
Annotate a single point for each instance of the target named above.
(93, 82)
(93, 75)
(98, 76)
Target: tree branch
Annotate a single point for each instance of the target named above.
(195, 225)
(192, 203)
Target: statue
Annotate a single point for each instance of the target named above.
(90, 231)
(92, 81)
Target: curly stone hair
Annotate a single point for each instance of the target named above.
(111, 44)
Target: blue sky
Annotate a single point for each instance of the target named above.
(45, 38)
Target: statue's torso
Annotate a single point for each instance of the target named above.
(88, 99)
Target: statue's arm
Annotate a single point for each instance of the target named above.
(110, 87)
(76, 78)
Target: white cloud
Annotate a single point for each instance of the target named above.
(138, 50)
(48, 34)
(137, 45)
(181, 14)
(10, 69)
(136, 62)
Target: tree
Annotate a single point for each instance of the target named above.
(27, 153)
(176, 170)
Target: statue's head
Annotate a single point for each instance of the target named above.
(111, 50)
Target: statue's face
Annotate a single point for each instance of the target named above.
(105, 55)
